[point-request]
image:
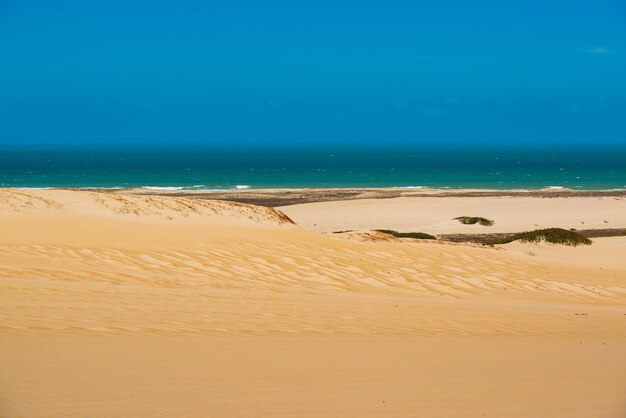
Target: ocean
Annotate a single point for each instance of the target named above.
(220, 169)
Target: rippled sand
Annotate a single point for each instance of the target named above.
(122, 305)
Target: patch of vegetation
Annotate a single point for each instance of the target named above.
(343, 232)
(551, 235)
(414, 235)
(471, 220)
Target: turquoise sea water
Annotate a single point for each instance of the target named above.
(230, 169)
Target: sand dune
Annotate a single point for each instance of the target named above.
(28, 201)
(90, 281)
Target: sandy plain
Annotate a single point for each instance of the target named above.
(124, 304)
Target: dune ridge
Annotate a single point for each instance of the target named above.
(27, 201)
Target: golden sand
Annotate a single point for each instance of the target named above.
(123, 305)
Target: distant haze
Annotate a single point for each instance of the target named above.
(330, 73)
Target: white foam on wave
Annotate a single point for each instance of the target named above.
(199, 188)
(161, 188)
(409, 187)
(100, 188)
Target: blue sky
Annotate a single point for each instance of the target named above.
(326, 72)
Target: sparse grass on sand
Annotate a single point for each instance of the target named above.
(551, 235)
(414, 235)
(471, 220)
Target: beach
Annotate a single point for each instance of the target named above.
(135, 302)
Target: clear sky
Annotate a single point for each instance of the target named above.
(320, 72)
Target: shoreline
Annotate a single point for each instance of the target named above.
(275, 197)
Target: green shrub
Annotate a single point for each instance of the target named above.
(551, 235)
(471, 220)
(414, 235)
